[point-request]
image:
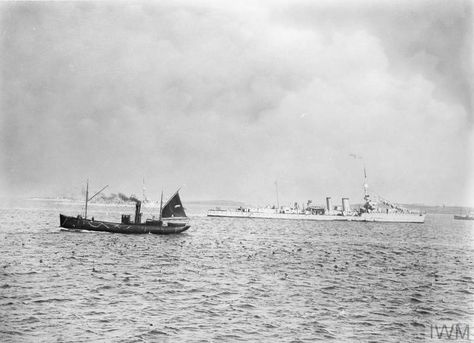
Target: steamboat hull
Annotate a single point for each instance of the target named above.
(364, 217)
(75, 223)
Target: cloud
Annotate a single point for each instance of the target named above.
(429, 37)
(212, 97)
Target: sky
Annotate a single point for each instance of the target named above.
(227, 98)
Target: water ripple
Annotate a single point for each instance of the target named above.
(232, 280)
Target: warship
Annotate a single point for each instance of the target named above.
(381, 211)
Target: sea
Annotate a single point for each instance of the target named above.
(233, 280)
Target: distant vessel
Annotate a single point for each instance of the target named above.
(173, 209)
(468, 216)
(371, 211)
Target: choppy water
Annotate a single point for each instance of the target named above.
(231, 280)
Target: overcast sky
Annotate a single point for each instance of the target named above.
(224, 98)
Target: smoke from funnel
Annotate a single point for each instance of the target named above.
(123, 197)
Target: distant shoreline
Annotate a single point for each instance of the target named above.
(433, 209)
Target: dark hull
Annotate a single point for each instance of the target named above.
(87, 224)
(464, 217)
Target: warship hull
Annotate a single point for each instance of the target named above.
(364, 217)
